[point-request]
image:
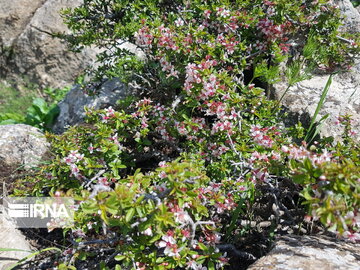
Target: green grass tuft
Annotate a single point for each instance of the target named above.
(15, 101)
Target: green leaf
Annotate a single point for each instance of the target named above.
(130, 214)
(234, 218)
(40, 104)
(51, 115)
(299, 178)
(155, 238)
(146, 142)
(305, 193)
(308, 165)
(202, 246)
(82, 256)
(90, 207)
(211, 265)
(119, 257)
(9, 122)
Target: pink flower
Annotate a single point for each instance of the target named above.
(162, 164)
(144, 122)
(168, 242)
(182, 217)
(143, 102)
(195, 266)
(110, 112)
(79, 233)
(140, 266)
(268, 3)
(207, 14)
(352, 236)
(186, 234)
(222, 12)
(91, 148)
(256, 156)
(260, 174)
(260, 136)
(73, 157)
(143, 37)
(162, 175)
(307, 218)
(169, 68)
(114, 138)
(212, 237)
(222, 261)
(103, 181)
(74, 170)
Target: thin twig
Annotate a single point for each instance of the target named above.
(93, 179)
(195, 224)
(344, 39)
(253, 54)
(44, 31)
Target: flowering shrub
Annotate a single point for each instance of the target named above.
(331, 183)
(203, 104)
(240, 34)
(162, 220)
(178, 215)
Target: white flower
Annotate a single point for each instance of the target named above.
(179, 22)
(148, 232)
(195, 266)
(182, 217)
(171, 249)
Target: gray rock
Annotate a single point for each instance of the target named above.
(72, 110)
(21, 145)
(343, 97)
(310, 252)
(11, 238)
(14, 16)
(352, 17)
(27, 51)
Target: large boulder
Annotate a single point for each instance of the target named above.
(28, 52)
(72, 110)
(343, 96)
(12, 238)
(21, 145)
(310, 252)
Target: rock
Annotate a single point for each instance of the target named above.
(13, 19)
(293, 252)
(352, 17)
(343, 96)
(28, 52)
(11, 238)
(72, 110)
(21, 145)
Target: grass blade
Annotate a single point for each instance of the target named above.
(324, 93)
